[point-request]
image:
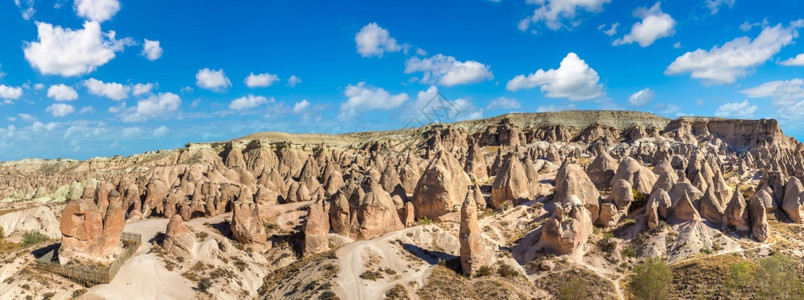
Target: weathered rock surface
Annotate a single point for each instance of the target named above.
(473, 251)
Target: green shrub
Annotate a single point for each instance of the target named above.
(371, 275)
(484, 271)
(425, 221)
(776, 278)
(639, 198)
(629, 251)
(2, 233)
(606, 244)
(651, 280)
(507, 271)
(32, 238)
(575, 288)
(741, 274)
(204, 284)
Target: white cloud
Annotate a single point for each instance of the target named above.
(111, 90)
(504, 103)
(555, 12)
(214, 80)
(743, 110)
(611, 31)
(86, 109)
(142, 89)
(714, 5)
(151, 50)
(131, 132)
(293, 81)
(27, 117)
(39, 127)
(668, 109)
(26, 8)
(152, 107)
(447, 71)
(736, 58)
(261, 80)
(301, 107)
(61, 92)
(677, 45)
(10, 92)
(161, 131)
(362, 98)
(373, 40)
(60, 109)
(96, 10)
(68, 52)
(432, 106)
(655, 24)
(797, 61)
(552, 108)
(247, 102)
(786, 96)
(642, 97)
(574, 80)
(38, 86)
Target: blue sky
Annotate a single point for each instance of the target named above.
(91, 78)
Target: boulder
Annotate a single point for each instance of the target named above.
(566, 234)
(246, 224)
(602, 169)
(179, 240)
(511, 184)
(639, 176)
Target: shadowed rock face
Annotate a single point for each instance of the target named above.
(316, 229)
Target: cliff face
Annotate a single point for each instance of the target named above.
(739, 135)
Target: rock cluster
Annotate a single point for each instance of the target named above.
(91, 226)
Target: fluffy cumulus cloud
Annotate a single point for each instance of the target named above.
(797, 61)
(715, 5)
(448, 71)
(161, 131)
(61, 92)
(555, 14)
(655, 24)
(142, 89)
(8, 93)
(363, 98)
(736, 58)
(294, 80)
(373, 40)
(431, 106)
(504, 103)
(743, 110)
(261, 80)
(131, 132)
(301, 107)
(60, 109)
(72, 52)
(155, 106)
(574, 80)
(214, 80)
(111, 90)
(787, 97)
(39, 127)
(96, 10)
(247, 102)
(642, 97)
(151, 50)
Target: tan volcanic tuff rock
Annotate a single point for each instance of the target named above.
(89, 233)
(441, 189)
(476, 163)
(410, 215)
(622, 193)
(639, 176)
(375, 214)
(510, 184)
(567, 234)
(711, 209)
(602, 169)
(572, 180)
(179, 240)
(736, 213)
(316, 228)
(793, 204)
(759, 218)
(247, 227)
(473, 251)
(683, 210)
(480, 201)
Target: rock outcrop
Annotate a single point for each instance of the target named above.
(179, 240)
(441, 189)
(567, 234)
(473, 251)
(246, 224)
(316, 228)
(89, 233)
